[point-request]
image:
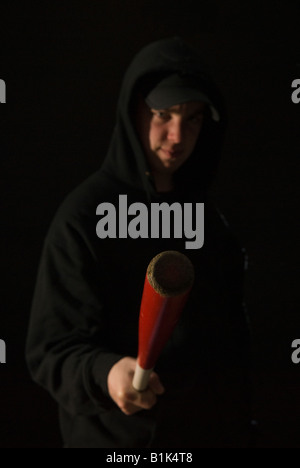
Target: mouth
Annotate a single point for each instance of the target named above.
(172, 154)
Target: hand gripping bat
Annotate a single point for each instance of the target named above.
(169, 280)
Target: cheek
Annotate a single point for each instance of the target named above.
(156, 135)
(192, 138)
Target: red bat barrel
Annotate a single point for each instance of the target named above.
(169, 279)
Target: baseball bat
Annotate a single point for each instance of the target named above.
(169, 280)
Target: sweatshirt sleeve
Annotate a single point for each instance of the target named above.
(67, 351)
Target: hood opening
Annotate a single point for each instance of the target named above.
(125, 160)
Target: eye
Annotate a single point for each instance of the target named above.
(197, 119)
(161, 114)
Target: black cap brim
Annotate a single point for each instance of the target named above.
(175, 90)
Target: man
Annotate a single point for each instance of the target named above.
(83, 334)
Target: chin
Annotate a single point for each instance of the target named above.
(169, 168)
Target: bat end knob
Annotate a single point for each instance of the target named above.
(170, 273)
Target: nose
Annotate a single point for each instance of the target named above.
(175, 131)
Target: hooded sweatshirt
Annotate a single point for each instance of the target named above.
(85, 309)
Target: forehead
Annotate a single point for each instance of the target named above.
(186, 108)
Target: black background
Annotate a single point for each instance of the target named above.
(63, 64)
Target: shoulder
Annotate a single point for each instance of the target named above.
(77, 213)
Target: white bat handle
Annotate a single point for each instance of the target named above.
(141, 378)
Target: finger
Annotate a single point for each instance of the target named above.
(145, 400)
(155, 384)
(137, 402)
(129, 409)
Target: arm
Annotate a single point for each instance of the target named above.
(66, 350)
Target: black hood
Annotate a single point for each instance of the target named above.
(125, 160)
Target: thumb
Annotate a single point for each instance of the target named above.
(155, 384)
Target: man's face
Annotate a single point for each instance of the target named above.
(169, 136)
